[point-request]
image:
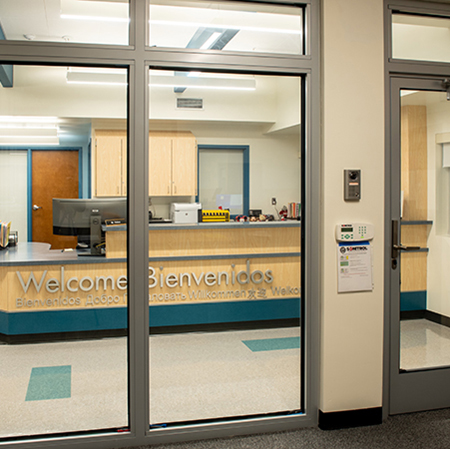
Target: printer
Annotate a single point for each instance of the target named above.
(184, 212)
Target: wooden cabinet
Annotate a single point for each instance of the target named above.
(110, 163)
(172, 164)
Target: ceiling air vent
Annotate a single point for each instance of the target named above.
(189, 103)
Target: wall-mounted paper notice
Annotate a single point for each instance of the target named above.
(354, 262)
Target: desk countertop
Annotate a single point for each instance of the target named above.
(220, 225)
(33, 253)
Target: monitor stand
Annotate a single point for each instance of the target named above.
(96, 234)
(95, 237)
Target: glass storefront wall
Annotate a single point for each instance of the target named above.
(63, 157)
(224, 287)
(217, 301)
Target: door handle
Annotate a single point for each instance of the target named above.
(406, 248)
(396, 246)
(35, 207)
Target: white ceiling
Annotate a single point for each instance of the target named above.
(41, 20)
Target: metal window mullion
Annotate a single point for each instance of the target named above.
(418, 68)
(14, 52)
(217, 61)
(138, 233)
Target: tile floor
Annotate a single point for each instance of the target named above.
(424, 344)
(82, 385)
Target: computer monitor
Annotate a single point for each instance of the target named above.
(85, 216)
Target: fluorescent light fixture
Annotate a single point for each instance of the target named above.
(31, 141)
(100, 78)
(203, 83)
(21, 126)
(97, 11)
(28, 133)
(193, 81)
(24, 120)
(210, 41)
(224, 26)
(106, 71)
(37, 131)
(95, 18)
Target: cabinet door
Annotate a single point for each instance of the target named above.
(108, 163)
(160, 164)
(124, 166)
(184, 166)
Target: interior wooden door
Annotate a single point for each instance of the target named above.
(54, 174)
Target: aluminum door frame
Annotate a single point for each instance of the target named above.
(424, 389)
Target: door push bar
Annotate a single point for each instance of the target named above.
(396, 246)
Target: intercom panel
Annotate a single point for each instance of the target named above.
(352, 185)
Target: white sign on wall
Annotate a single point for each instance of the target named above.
(354, 261)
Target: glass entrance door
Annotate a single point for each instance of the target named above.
(225, 258)
(420, 252)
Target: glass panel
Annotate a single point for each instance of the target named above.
(221, 176)
(14, 188)
(425, 226)
(78, 21)
(63, 291)
(421, 38)
(230, 26)
(224, 295)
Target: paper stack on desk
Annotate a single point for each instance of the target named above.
(4, 233)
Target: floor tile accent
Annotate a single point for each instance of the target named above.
(273, 344)
(49, 382)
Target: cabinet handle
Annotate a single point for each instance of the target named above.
(117, 190)
(168, 189)
(175, 188)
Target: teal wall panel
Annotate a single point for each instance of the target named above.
(18, 323)
(413, 301)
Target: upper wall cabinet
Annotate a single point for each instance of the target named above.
(172, 164)
(110, 163)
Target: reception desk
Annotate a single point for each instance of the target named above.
(200, 275)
